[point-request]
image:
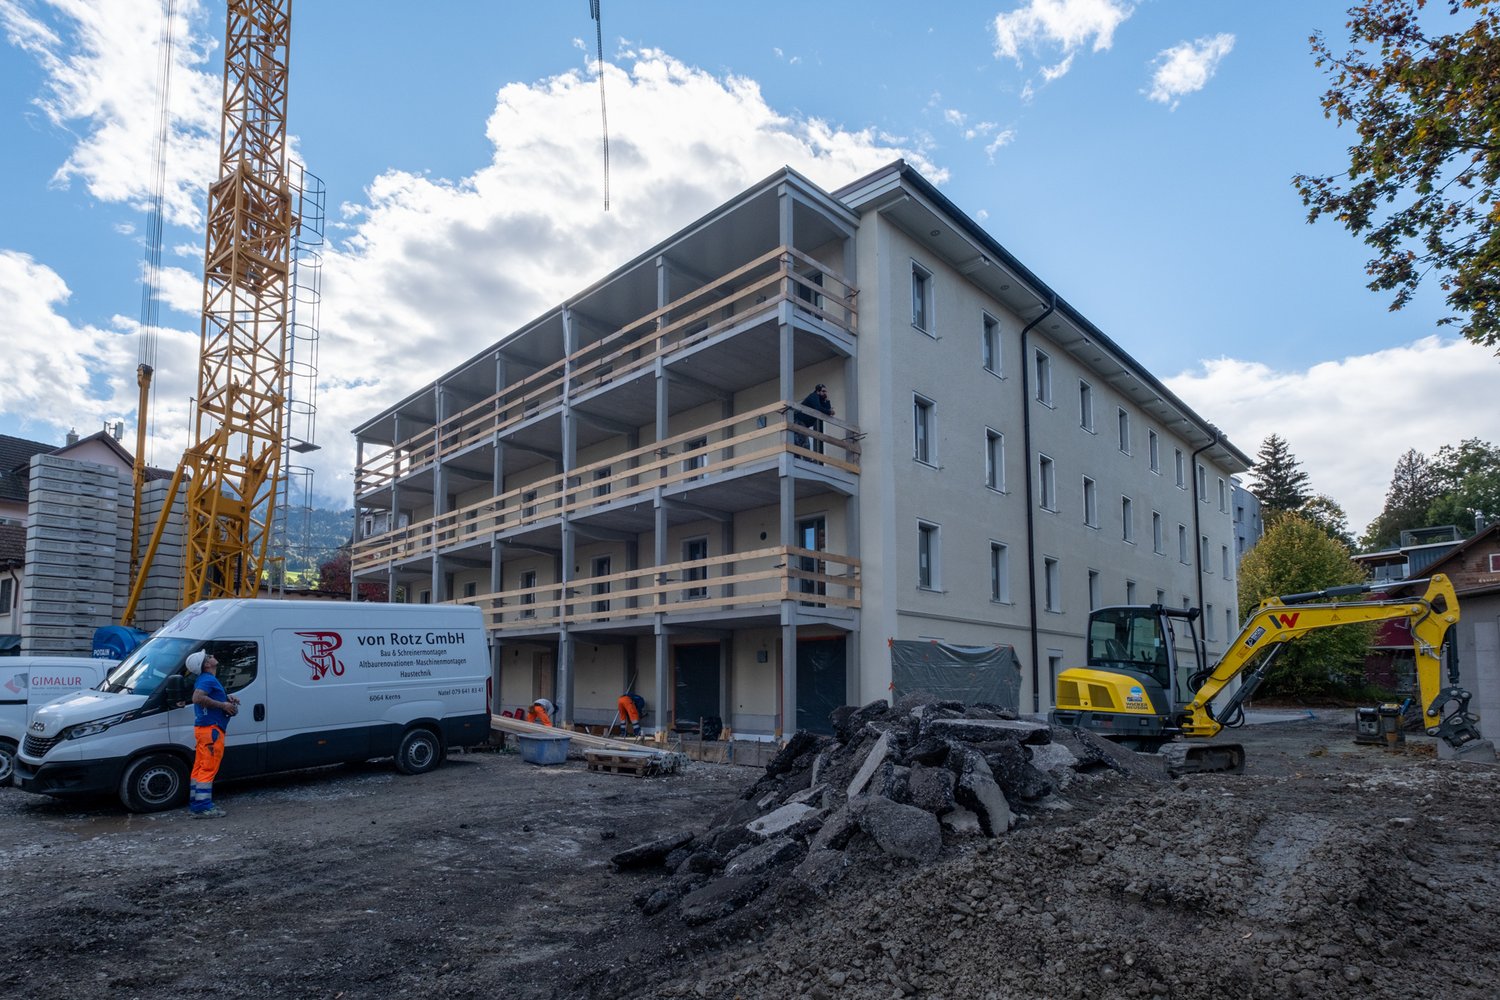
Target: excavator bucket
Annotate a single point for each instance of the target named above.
(1227, 758)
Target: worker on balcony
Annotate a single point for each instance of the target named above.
(816, 400)
(629, 714)
(541, 712)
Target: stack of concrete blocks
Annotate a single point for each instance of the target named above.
(76, 568)
(161, 598)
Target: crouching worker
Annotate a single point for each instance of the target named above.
(212, 708)
(541, 712)
(629, 716)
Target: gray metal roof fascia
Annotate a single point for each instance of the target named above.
(880, 182)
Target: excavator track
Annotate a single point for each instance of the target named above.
(1223, 758)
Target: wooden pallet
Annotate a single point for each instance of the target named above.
(624, 762)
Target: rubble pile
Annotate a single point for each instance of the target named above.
(900, 782)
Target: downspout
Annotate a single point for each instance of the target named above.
(1213, 439)
(1036, 656)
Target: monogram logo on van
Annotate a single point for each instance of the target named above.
(186, 617)
(317, 652)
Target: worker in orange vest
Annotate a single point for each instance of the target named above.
(541, 712)
(629, 715)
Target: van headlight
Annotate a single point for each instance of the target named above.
(94, 728)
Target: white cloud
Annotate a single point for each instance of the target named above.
(1348, 421)
(1062, 26)
(427, 271)
(1187, 67)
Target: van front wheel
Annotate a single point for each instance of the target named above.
(419, 752)
(7, 762)
(154, 783)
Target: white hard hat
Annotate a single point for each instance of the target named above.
(195, 662)
(547, 706)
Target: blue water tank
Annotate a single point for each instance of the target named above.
(115, 642)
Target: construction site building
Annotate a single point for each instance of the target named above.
(625, 488)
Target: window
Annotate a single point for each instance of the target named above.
(989, 344)
(1158, 542)
(1203, 554)
(1043, 379)
(424, 597)
(994, 459)
(7, 595)
(1153, 443)
(1161, 597)
(1223, 497)
(1094, 600)
(1182, 543)
(1129, 591)
(1208, 623)
(1202, 483)
(601, 488)
(927, 556)
(528, 503)
(1123, 420)
(1127, 519)
(696, 451)
(923, 418)
(695, 550)
(1090, 503)
(921, 298)
(601, 567)
(999, 573)
(1224, 559)
(471, 588)
(1085, 406)
(1228, 624)
(812, 534)
(528, 597)
(1181, 468)
(1047, 482)
(1051, 584)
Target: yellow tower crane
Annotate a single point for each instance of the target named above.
(230, 470)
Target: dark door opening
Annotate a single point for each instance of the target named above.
(821, 680)
(696, 683)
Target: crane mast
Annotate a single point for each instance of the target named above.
(230, 470)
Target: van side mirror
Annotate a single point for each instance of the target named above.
(176, 690)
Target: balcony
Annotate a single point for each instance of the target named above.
(750, 298)
(732, 464)
(751, 584)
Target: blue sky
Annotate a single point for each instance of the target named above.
(1135, 155)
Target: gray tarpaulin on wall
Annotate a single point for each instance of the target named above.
(970, 674)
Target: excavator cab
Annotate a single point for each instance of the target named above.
(1135, 680)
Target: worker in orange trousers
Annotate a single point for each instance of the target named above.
(541, 712)
(629, 715)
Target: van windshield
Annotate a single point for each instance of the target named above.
(143, 671)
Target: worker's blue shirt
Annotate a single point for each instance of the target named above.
(203, 715)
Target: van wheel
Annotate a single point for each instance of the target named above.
(7, 761)
(154, 783)
(419, 752)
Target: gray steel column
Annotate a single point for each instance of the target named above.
(565, 578)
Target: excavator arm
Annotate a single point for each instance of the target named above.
(1278, 620)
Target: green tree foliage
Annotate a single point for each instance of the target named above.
(1421, 183)
(1280, 485)
(1327, 514)
(1468, 483)
(1296, 556)
(1412, 492)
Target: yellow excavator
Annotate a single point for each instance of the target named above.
(1129, 690)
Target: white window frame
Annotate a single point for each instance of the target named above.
(1223, 496)
(994, 460)
(1184, 554)
(989, 345)
(1208, 624)
(1130, 587)
(921, 299)
(1127, 520)
(1052, 584)
(1085, 406)
(1202, 475)
(1090, 502)
(1096, 597)
(1046, 482)
(1153, 444)
(999, 572)
(1158, 534)
(1042, 365)
(930, 551)
(1224, 557)
(1122, 418)
(924, 429)
(1181, 467)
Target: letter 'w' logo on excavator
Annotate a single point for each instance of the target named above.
(317, 652)
(1287, 620)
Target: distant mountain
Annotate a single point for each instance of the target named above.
(313, 537)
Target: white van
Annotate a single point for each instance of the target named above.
(29, 682)
(318, 683)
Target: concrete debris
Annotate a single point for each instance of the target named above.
(894, 785)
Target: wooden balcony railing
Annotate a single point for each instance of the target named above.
(733, 443)
(756, 289)
(758, 578)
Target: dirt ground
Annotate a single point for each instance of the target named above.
(1326, 869)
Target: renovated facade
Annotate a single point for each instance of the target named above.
(632, 489)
